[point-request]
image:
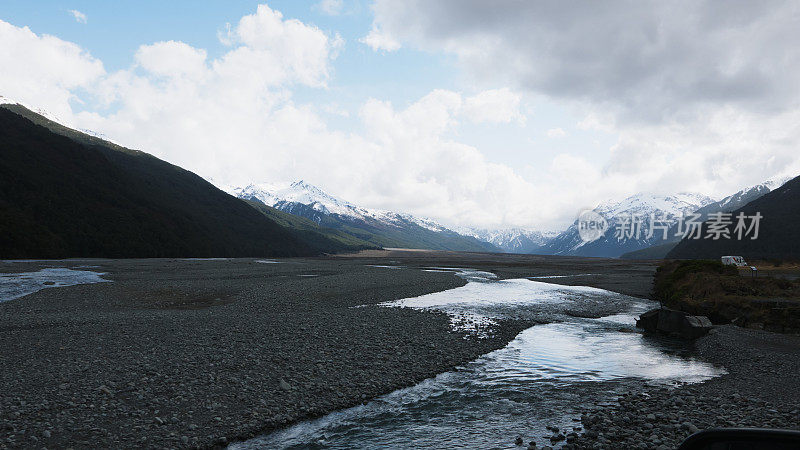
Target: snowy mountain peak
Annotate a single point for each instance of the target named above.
(300, 184)
(750, 193)
(641, 205)
(512, 240)
(775, 183)
(380, 227)
(646, 203)
(301, 192)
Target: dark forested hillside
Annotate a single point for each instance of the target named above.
(779, 234)
(67, 194)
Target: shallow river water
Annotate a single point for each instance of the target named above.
(543, 377)
(16, 285)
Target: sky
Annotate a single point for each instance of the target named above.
(490, 114)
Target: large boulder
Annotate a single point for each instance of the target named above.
(674, 323)
(695, 326)
(649, 320)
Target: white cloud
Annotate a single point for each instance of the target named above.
(330, 7)
(289, 48)
(225, 36)
(555, 133)
(418, 168)
(229, 117)
(653, 59)
(700, 97)
(494, 105)
(378, 40)
(78, 16)
(234, 118)
(172, 59)
(44, 70)
(335, 110)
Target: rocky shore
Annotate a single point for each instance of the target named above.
(661, 418)
(197, 354)
(760, 390)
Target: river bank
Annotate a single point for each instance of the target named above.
(583, 348)
(199, 353)
(759, 390)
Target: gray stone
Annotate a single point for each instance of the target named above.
(677, 323)
(649, 320)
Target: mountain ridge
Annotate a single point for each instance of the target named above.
(376, 226)
(780, 210)
(570, 243)
(727, 204)
(512, 239)
(69, 194)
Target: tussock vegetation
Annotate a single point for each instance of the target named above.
(709, 288)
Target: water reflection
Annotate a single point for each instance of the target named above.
(16, 285)
(543, 377)
(481, 292)
(596, 350)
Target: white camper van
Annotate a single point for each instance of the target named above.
(733, 261)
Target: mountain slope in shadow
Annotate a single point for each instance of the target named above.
(69, 194)
(778, 236)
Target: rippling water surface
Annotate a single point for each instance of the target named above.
(15, 285)
(541, 378)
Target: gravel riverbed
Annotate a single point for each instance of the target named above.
(201, 353)
(177, 353)
(759, 391)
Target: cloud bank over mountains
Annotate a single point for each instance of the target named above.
(700, 97)
(696, 90)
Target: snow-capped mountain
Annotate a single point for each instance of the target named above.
(743, 197)
(727, 204)
(381, 227)
(303, 193)
(641, 206)
(777, 238)
(511, 240)
(307, 194)
(646, 204)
